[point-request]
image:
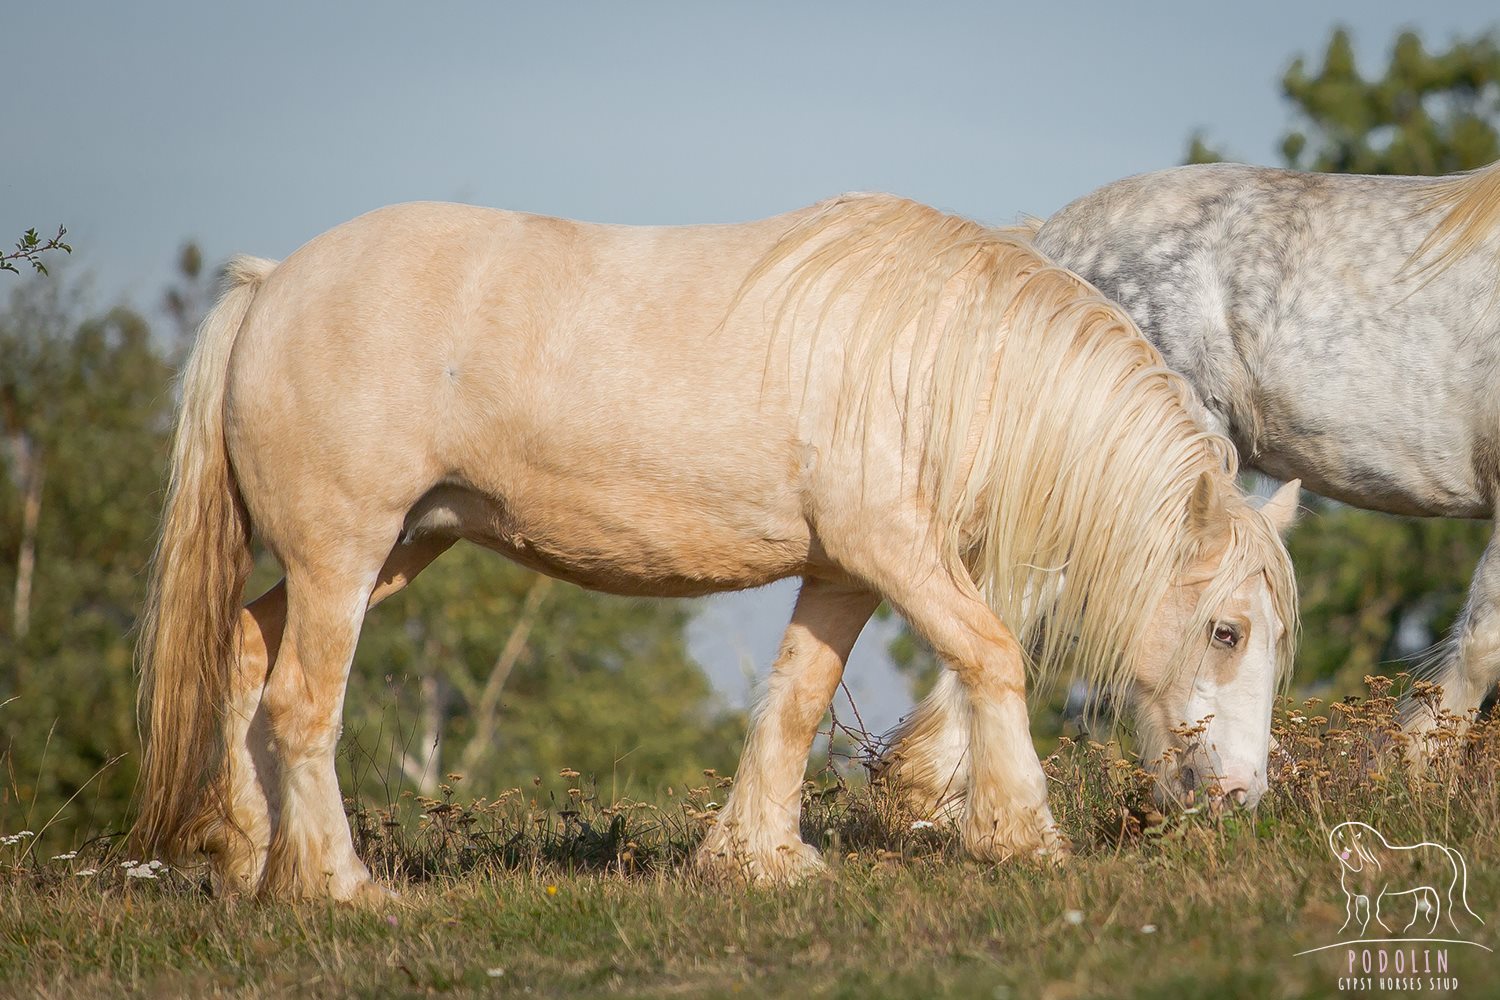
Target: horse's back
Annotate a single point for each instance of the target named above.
(1243, 248)
(432, 306)
(576, 379)
(1287, 300)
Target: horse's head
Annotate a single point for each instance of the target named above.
(1219, 640)
(1352, 844)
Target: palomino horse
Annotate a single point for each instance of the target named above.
(884, 400)
(1344, 330)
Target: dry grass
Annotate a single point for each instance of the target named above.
(563, 893)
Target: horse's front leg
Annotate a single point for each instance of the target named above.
(1006, 813)
(1470, 665)
(926, 759)
(757, 832)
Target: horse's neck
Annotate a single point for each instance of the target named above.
(1216, 373)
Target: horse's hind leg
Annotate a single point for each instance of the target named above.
(756, 833)
(329, 583)
(254, 798)
(1471, 663)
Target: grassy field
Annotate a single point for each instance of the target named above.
(599, 899)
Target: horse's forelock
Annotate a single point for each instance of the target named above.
(1254, 548)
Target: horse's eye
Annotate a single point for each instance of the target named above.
(1226, 635)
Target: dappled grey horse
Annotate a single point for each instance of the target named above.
(1328, 335)
(1340, 329)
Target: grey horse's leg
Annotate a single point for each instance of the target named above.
(1471, 664)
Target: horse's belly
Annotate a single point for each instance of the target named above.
(1360, 452)
(630, 540)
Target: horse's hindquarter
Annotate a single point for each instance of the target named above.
(1279, 295)
(558, 391)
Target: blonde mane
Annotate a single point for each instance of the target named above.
(1059, 451)
(1470, 203)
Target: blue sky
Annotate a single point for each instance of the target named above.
(253, 127)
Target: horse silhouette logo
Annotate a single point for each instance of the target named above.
(1386, 882)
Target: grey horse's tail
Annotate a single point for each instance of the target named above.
(1470, 203)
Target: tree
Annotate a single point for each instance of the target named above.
(83, 425)
(1429, 113)
(30, 249)
(1376, 589)
(489, 670)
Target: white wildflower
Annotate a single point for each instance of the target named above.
(922, 824)
(1074, 917)
(87, 871)
(65, 857)
(1148, 928)
(494, 973)
(141, 871)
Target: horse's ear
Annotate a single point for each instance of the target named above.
(1281, 509)
(1206, 514)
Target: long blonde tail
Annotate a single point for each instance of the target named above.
(189, 627)
(1471, 204)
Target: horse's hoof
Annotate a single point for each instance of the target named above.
(785, 864)
(1035, 837)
